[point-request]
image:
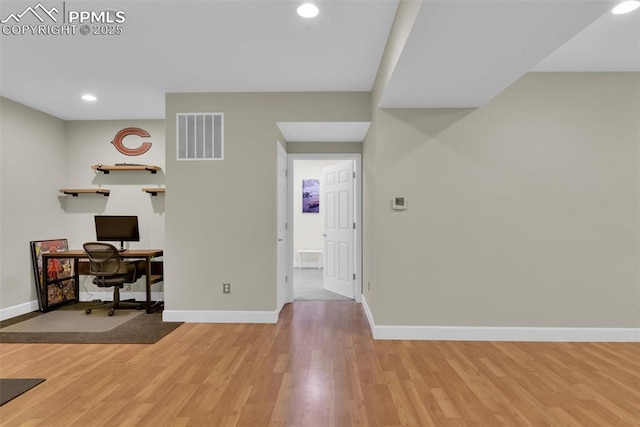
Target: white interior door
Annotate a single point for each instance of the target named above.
(282, 270)
(338, 229)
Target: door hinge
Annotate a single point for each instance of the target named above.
(354, 175)
(286, 173)
(286, 279)
(354, 276)
(286, 225)
(354, 225)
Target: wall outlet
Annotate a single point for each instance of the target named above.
(226, 288)
(399, 203)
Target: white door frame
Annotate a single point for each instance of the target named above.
(357, 159)
(282, 267)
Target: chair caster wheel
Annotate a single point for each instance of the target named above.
(111, 311)
(87, 311)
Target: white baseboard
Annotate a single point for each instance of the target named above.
(474, 333)
(18, 310)
(215, 316)
(28, 307)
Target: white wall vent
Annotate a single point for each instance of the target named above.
(200, 136)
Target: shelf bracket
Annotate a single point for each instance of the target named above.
(154, 191)
(76, 192)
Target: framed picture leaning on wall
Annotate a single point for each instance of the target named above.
(59, 268)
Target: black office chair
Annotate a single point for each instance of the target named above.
(110, 271)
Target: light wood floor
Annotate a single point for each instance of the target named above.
(320, 367)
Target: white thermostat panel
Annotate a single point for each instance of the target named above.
(399, 203)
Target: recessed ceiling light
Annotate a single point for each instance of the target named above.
(626, 7)
(89, 97)
(308, 10)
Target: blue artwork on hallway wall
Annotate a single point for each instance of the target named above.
(310, 195)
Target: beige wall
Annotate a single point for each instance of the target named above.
(32, 166)
(524, 212)
(221, 215)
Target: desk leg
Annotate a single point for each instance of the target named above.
(148, 283)
(150, 308)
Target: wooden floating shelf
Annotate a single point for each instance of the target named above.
(75, 191)
(154, 191)
(125, 167)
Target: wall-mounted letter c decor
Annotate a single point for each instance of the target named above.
(117, 141)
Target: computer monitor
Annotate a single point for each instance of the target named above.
(117, 228)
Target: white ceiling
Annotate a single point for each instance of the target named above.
(611, 43)
(463, 53)
(193, 46)
(459, 53)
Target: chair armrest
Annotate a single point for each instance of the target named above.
(132, 270)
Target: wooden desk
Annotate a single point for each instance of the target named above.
(77, 254)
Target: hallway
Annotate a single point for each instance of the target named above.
(307, 286)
